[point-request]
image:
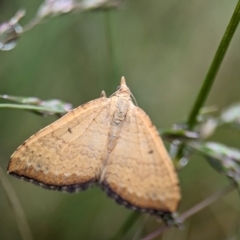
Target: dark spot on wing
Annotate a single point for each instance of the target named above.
(70, 130)
(150, 152)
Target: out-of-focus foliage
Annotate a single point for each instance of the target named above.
(10, 32)
(164, 49)
(231, 115)
(224, 159)
(53, 106)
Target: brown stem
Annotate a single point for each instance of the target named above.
(206, 202)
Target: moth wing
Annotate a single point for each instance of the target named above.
(67, 154)
(139, 172)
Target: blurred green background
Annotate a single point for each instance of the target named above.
(164, 49)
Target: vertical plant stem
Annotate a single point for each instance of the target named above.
(140, 228)
(16, 207)
(214, 67)
(127, 225)
(212, 72)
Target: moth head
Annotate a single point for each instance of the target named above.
(124, 91)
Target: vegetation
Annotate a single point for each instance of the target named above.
(171, 53)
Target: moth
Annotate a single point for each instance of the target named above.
(110, 142)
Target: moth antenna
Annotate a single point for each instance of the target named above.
(134, 99)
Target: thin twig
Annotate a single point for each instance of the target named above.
(31, 107)
(21, 219)
(78, 7)
(206, 202)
